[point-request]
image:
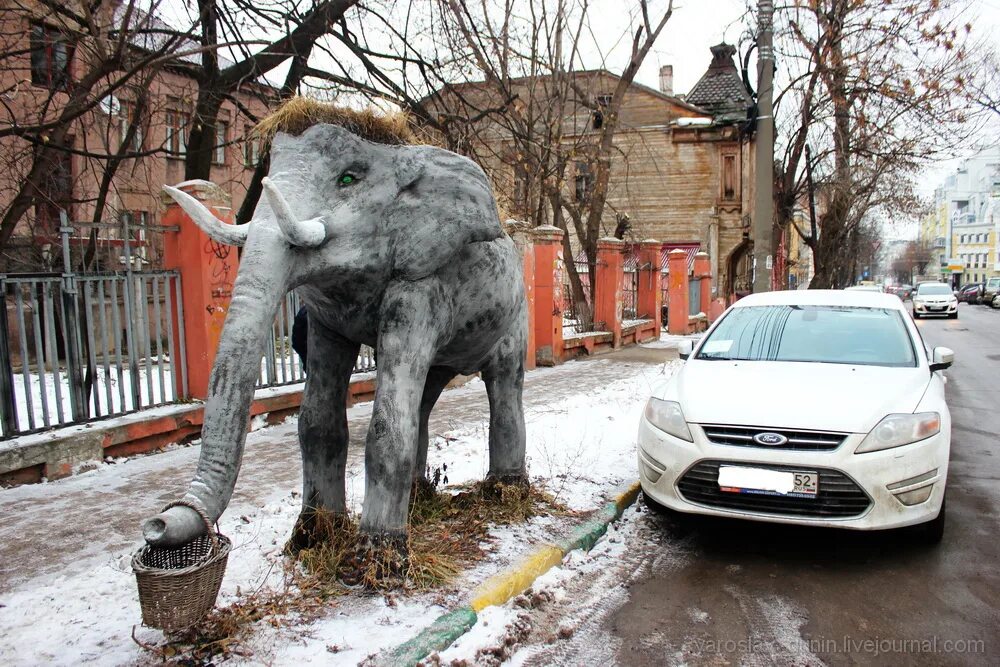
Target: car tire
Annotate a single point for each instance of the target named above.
(654, 506)
(932, 532)
(916, 315)
(953, 316)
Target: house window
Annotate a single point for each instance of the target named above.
(221, 137)
(251, 148)
(597, 117)
(584, 181)
(176, 127)
(729, 183)
(520, 192)
(127, 118)
(51, 54)
(55, 192)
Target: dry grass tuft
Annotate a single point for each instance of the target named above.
(300, 113)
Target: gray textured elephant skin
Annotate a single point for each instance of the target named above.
(397, 247)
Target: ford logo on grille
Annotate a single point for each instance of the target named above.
(770, 439)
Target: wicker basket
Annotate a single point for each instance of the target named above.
(178, 586)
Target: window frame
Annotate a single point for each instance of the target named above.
(175, 126)
(219, 149)
(46, 78)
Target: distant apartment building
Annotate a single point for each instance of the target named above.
(963, 228)
(42, 62)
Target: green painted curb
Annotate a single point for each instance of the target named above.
(439, 636)
(443, 632)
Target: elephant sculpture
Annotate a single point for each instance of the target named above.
(394, 246)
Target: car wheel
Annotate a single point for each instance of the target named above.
(916, 315)
(953, 316)
(654, 506)
(932, 532)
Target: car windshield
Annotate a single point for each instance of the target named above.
(994, 282)
(815, 334)
(933, 289)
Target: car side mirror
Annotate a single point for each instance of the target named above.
(941, 358)
(684, 349)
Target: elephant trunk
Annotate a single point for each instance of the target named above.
(256, 296)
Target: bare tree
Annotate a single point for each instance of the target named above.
(876, 90)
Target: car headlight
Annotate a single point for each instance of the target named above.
(899, 430)
(668, 416)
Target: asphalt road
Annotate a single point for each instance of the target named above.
(720, 592)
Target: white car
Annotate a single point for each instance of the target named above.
(812, 407)
(934, 299)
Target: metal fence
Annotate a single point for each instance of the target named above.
(630, 296)
(281, 365)
(76, 347)
(694, 296)
(571, 322)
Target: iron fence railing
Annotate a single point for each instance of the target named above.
(78, 347)
(281, 365)
(630, 296)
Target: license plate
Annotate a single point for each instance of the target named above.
(763, 481)
(935, 307)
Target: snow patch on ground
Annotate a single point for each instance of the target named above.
(581, 447)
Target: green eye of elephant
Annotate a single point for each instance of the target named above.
(346, 179)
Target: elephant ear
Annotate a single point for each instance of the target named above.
(445, 202)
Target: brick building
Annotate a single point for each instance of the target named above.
(43, 58)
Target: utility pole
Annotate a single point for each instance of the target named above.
(763, 210)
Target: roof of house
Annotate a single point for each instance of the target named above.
(721, 90)
(684, 103)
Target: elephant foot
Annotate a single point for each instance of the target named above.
(423, 489)
(509, 486)
(316, 527)
(377, 562)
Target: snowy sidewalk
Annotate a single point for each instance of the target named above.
(67, 594)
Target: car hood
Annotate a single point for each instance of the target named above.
(826, 397)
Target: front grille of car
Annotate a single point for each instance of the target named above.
(742, 436)
(838, 496)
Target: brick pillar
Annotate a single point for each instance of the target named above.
(610, 277)
(677, 288)
(548, 295)
(520, 233)
(208, 270)
(650, 297)
(703, 272)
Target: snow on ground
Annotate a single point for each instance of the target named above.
(580, 447)
(569, 602)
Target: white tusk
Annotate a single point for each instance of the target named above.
(305, 233)
(217, 229)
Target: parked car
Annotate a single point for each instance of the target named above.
(971, 293)
(866, 447)
(991, 290)
(904, 292)
(934, 299)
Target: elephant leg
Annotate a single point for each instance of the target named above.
(323, 435)
(504, 378)
(437, 379)
(407, 342)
